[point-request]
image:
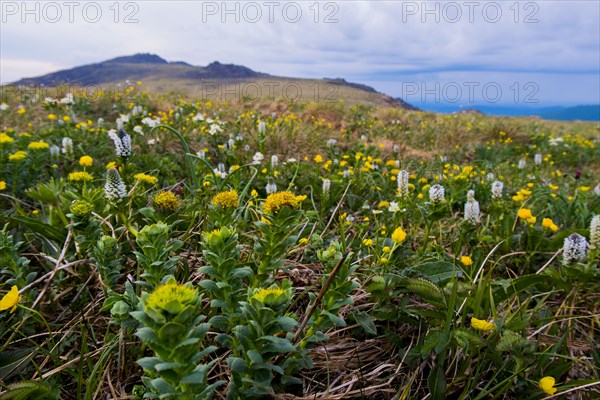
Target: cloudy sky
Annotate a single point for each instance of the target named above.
(517, 53)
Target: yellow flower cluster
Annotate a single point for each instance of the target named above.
(149, 179)
(399, 235)
(17, 156)
(263, 293)
(166, 296)
(277, 201)
(4, 138)
(86, 161)
(272, 296)
(78, 176)
(549, 224)
(80, 208)
(40, 145)
(166, 200)
(466, 261)
(522, 195)
(525, 214)
(227, 199)
(2, 185)
(482, 325)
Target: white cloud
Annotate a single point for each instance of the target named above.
(386, 38)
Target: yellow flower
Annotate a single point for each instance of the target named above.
(318, 158)
(277, 201)
(17, 156)
(2, 185)
(80, 208)
(524, 213)
(4, 138)
(367, 242)
(21, 111)
(585, 188)
(303, 241)
(40, 145)
(66, 118)
(384, 260)
(166, 200)
(10, 299)
(482, 325)
(466, 261)
(254, 193)
(549, 224)
(399, 235)
(171, 297)
(547, 385)
(111, 164)
(386, 249)
(149, 179)
(86, 161)
(80, 176)
(518, 197)
(531, 220)
(228, 199)
(272, 296)
(51, 117)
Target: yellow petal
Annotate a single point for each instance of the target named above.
(547, 385)
(10, 299)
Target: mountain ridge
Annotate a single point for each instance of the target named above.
(162, 75)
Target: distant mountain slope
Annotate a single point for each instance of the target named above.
(139, 67)
(581, 113)
(227, 81)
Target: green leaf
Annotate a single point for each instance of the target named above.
(171, 330)
(12, 361)
(195, 378)
(517, 285)
(277, 345)
(337, 321)
(167, 365)
(120, 308)
(438, 271)
(220, 322)
(208, 285)
(187, 342)
(435, 340)
(31, 390)
(237, 365)
(58, 234)
(427, 290)
(147, 335)
(254, 357)
(148, 363)
(436, 382)
(365, 321)
(161, 386)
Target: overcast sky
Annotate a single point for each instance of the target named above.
(504, 52)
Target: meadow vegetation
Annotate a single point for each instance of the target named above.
(155, 246)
